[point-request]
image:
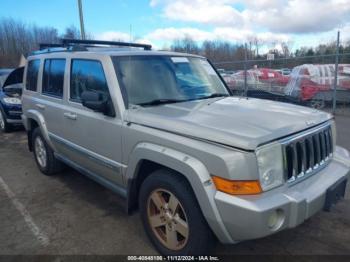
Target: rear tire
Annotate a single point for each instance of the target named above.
(4, 126)
(44, 155)
(172, 217)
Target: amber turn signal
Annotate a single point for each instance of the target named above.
(237, 187)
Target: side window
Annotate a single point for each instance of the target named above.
(32, 74)
(53, 77)
(87, 75)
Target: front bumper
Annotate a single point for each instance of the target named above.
(13, 113)
(14, 121)
(249, 217)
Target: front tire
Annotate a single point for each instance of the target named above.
(172, 217)
(4, 126)
(44, 155)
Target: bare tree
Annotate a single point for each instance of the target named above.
(186, 44)
(287, 48)
(71, 32)
(257, 43)
(214, 50)
(17, 38)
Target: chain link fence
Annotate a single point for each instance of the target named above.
(321, 82)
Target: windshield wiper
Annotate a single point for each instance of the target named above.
(161, 102)
(172, 101)
(213, 96)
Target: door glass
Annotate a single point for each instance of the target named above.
(87, 75)
(32, 74)
(53, 77)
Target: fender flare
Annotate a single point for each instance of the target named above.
(192, 169)
(342, 155)
(39, 119)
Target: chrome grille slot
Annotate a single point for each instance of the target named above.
(305, 154)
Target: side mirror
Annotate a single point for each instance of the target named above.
(98, 102)
(13, 90)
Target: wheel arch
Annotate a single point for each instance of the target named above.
(31, 120)
(148, 157)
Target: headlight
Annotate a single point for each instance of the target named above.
(12, 100)
(270, 163)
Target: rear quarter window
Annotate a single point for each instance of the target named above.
(32, 75)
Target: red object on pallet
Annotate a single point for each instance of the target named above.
(272, 76)
(309, 81)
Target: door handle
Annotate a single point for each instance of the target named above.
(71, 116)
(40, 106)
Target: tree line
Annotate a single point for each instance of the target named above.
(18, 38)
(221, 51)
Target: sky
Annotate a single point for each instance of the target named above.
(295, 22)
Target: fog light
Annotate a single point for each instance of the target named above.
(276, 219)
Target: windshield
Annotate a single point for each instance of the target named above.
(151, 80)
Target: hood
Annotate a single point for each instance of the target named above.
(233, 121)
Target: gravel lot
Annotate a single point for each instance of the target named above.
(70, 214)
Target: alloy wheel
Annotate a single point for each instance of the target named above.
(40, 151)
(168, 219)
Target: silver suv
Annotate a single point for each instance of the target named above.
(162, 130)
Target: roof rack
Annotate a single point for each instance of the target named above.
(99, 42)
(82, 45)
(43, 46)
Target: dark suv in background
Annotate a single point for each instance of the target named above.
(10, 98)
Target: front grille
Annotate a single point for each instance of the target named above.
(307, 153)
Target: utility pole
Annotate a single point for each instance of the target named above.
(336, 76)
(82, 29)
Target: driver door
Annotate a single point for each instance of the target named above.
(92, 139)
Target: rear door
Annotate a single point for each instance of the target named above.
(51, 101)
(92, 139)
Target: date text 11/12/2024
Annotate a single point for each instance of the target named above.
(173, 258)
